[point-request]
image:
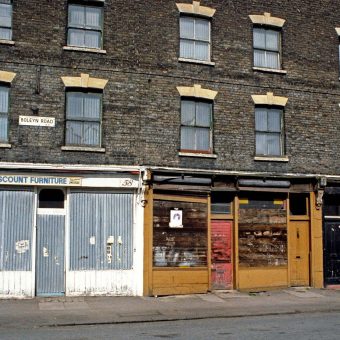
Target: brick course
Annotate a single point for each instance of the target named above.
(141, 106)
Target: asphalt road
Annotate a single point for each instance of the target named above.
(293, 326)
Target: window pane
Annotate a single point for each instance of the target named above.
(5, 33)
(187, 49)
(274, 144)
(187, 112)
(260, 119)
(188, 138)
(82, 133)
(93, 39)
(92, 104)
(259, 38)
(202, 51)
(203, 114)
(93, 17)
(272, 40)
(76, 37)
(91, 133)
(202, 30)
(259, 58)
(74, 105)
(274, 120)
(261, 145)
(74, 132)
(202, 139)
(76, 16)
(3, 128)
(187, 27)
(6, 15)
(4, 95)
(272, 60)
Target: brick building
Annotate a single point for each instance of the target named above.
(171, 146)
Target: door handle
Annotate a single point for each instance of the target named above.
(298, 257)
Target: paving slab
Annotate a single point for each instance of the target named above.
(62, 311)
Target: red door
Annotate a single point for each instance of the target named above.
(221, 265)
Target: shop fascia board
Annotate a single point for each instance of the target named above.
(241, 173)
(68, 167)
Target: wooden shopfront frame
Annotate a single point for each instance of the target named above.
(173, 280)
(259, 277)
(262, 278)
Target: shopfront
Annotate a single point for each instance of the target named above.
(70, 234)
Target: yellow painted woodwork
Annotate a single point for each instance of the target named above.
(209, 243)
(278, 202)
(316, 244)
(299, 252)
(167, 281)
(235, 244)
(262, 278)
(148, 225)
(178, 198)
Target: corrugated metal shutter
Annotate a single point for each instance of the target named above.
(16, 227)
(101, 230)
(50, 254)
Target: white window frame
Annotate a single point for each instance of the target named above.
(82, 119)
(268, 132)
(5, 114)
(10, 28)
(85, 27)
(210, 128)
(195, 18)
(266, 50)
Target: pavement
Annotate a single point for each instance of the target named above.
(72, 311)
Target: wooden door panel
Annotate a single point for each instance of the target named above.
(299, 253)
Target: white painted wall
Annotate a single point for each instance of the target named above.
(16, 284)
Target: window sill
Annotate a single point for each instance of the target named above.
(7, 42)
(82, 148)
(195, 61)
(194, 154)
(5, 146)
(84, 49)
(271, 158)
(269, 70)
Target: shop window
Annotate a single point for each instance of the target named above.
(221, 203)
(4, 107)
(269, 131)
(83, 118)
(180, 234)
(196, 125)
(51, 199)
(85, 25)
(5, 20)
(331, 205)
(262, 230)
(298, 204)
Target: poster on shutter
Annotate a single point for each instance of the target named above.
(176, 218)
(22, 246)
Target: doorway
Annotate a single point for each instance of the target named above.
(299, 239)
(50, 263)
(331, 238)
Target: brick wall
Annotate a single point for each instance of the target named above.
(141, 106)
